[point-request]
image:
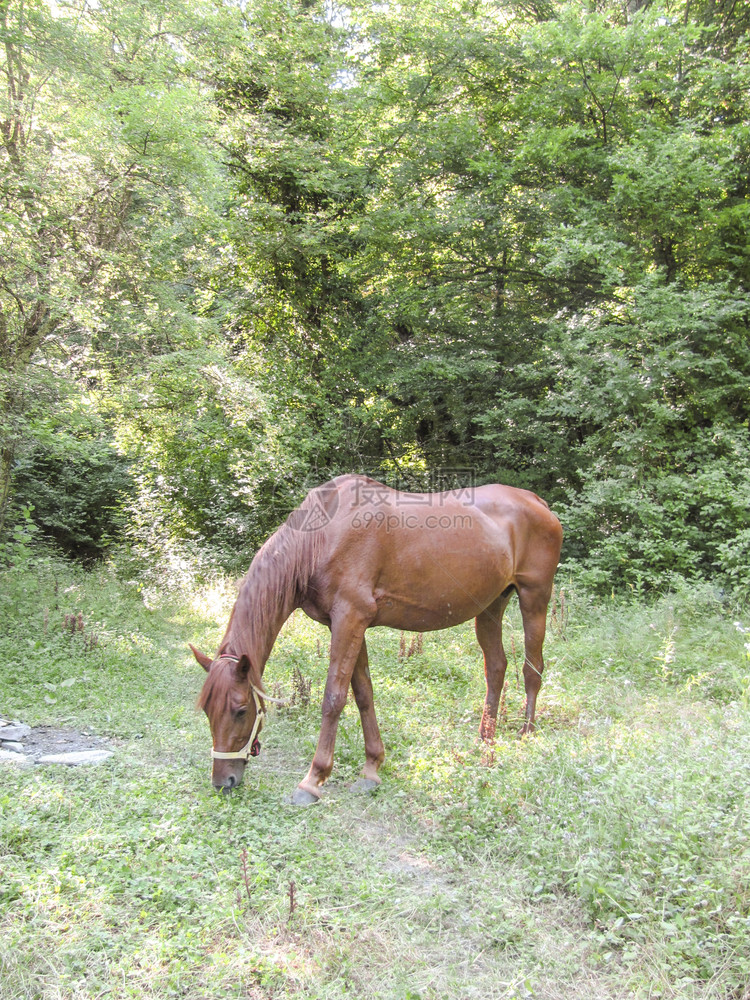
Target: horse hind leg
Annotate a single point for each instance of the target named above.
(374, 749)
(533, 602)
(489, 631)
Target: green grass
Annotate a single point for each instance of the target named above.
(608, 856)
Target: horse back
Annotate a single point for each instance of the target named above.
(445, 553)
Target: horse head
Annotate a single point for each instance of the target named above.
(232, 698)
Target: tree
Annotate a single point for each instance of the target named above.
(103, 163)
(639, 158)
(543, 267)
(510, 239)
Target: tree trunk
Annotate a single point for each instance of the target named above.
(6, 467)
(15, 357)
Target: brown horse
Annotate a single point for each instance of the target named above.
(357, 554)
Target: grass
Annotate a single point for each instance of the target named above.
(608, 856)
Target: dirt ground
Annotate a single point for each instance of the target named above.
(44, 740)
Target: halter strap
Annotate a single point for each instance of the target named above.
(264, 694)
(247, 751)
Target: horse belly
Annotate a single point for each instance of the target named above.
(397, 613)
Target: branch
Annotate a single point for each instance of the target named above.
(4, 342)
(19, 302)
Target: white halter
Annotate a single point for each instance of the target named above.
(246, 752)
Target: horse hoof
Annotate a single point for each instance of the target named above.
(302, 797)
(364, 786)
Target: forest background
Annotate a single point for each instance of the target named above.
(246, 247)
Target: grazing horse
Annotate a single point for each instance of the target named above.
(357, 554)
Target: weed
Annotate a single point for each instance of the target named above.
(301, 688)
(558, 612)
(413, 649)
(73, 625)
(245, 875)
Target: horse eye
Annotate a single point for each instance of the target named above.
(241, 711)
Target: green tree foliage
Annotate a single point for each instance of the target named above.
(539, 259)
(104, 190)
(293, 241)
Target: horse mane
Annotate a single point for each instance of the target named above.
(272, 586)
(277, 576)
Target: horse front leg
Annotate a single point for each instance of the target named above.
(347, 638)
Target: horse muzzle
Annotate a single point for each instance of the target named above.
(227, 775)
(229, 768)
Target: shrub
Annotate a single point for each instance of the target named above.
(75, 490)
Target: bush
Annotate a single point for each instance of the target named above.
(668, 527)
(75, 489)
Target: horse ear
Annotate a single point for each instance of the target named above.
(205, 661)
(247, 672)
